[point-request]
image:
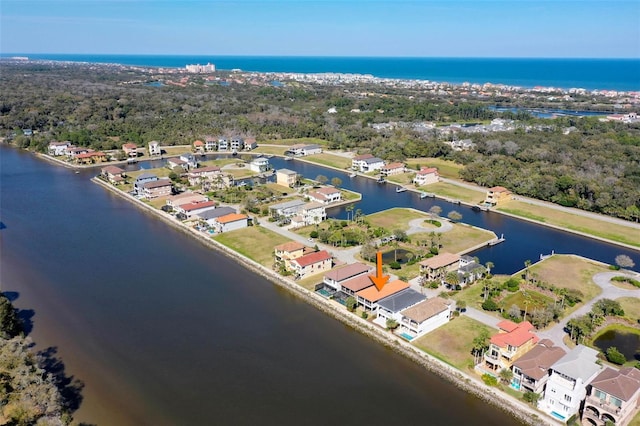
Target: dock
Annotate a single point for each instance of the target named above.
(496, 241)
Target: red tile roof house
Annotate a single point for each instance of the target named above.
(311, 264)
(231, 222)
(113, 174)
(130, 149)
(185, 198)
(325, 195)
(370, 296)
(435, 268)
(392, 169)
(426, 175)
(512, 342)
(288, 251)
(91, 157)
(336, 277)
(531, 371)
(612, 396)
(155, 189)
(198, 146)
(190, 209)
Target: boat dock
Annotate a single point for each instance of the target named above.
(496, 241)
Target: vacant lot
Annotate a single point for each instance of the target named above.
(453, 342)
(396, 218)
(461, 238)
(254, 242)
(574, 222)
(403, 179)
(570, 272)
(274, 150)
(331, 160)
(454, 192)
(631, 306)
(526, 300)
(290, 142)
(447, 169)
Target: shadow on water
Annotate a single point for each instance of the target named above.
(26, 319)
(2, 225)
(70, 388)
(11, 295)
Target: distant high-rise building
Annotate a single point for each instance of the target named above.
(201, 68)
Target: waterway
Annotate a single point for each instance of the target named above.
(164, 331)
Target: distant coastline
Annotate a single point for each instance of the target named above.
(590, 74)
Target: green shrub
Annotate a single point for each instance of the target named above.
(314, 234)
(489, 380)
(531, 397)
(615, 356)
(395, 265)
(490, 305)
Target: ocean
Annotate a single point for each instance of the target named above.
(590, 74)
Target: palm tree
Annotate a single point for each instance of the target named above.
(349, 209)
(489, 265)
(527, 264)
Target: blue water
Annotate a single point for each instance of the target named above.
(609, 74)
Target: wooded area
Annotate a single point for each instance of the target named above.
(578, 162)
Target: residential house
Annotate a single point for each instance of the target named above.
(304, 149)
(185, 198)
(313, 213)
(285, 253)
(176, 163)
(567, 384)
(91, 157)
(236, 144)
(392, 169)
(155, 189)
(357, 162)
(352, 286)
(287, 209)
(531, 371)
(198, 147)
(191, 209)
(58, 148)
(512, 342)
(250, 144)
(154, 148)
(208, 173)
(190, 161)
(141, 180)
(259, 164)
(613, 397)
(211, 215)
(325, 195)
(311, 264)
(425, 317)
(336, 277)
(426, 175)
(436, 268)
(496, 195)
(371, 296)
(391, 307)
(210, 144)
(73, 151)
(223, 144)
(130, 150)
(113, 174)
(286, 177)
(462, 145)
(231, 222)
(469, 270)
(371, 164)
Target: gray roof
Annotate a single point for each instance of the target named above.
(146, 176)
(470, 267)
(286, 172)
(402, 300)
(373, 160)
(288, 205)
(579, 363)
(213, 213)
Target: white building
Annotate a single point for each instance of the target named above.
(336, 277)
(325, 195)
(260, 164)
(231, 222)
(425, 317)
(154, 148)
(391, 307)
(426, 175)
(567, 384)
(58, 148)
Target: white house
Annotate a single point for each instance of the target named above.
(231, 222)
(190, 160)
(223, 144)
(392, 169)
(567, 384)
(154, 148)
(286, 209)
(372, 164)
(426, 175)
(58, 148)
(304, 149)
(313, 213)
(176, 163)
(211, 215)
(325, 195)
(390, 308)
(210, 144)
(259, 164)
(191, 209)
(336, 277)
(425, 317)
(236, 144)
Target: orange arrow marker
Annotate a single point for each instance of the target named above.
(379, 280)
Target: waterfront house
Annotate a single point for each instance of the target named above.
(371, 164)
(286, 177)
(130, 150)
(211, 215)
(325, 195)
(302, 150)
(113, 174)
(198, 147)
(193, 208)
(250, 144)
(73, 151)
(58, 148)
(371, 296)
(259, 164)
(208, 173)
(358, 162)
(391, 307)
(176, 163)
(512, 342)
(613, 397)
(231, 222)
(189, 161)
(142, 179)
(313, 213)
(287, 209)
(210, 144)
(435, 268)
(223, 144)
(469, 270)
(496, 195)
(425, 317)
(311, 264)
(568, 378)
(185, 198)
(531, 371)
(336, 277)
(286, 252)
(426, 175)
(392, 169)
(236, 144)
(155, 189)
(91, 157)
(353, 285)
(154, 148)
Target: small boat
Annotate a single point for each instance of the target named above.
(77, 172)
(352, 175)
(287, 158)
(400, 189)
(427, 195)
(381, 180)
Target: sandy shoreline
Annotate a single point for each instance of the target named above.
(468, 383)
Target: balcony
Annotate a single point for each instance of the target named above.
(603, 406)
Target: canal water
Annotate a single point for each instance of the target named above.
(164, 331)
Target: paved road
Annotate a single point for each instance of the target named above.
(417, 225)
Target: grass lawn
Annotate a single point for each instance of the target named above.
(446, 168)
(310, 282)
(460, 238)
(350, 195)
(472, 294)
(636, 420)
(570, 272)
(449, 190)
(574, 222)
(290, 142)
(331, 160)
(631, 306)
(274, 150)
(396, 218)
(241, 172)
(176, 150)
(403, 179)
(279, 189)
(221, 162)
(254, 242)
(453, 341)
(529, 300)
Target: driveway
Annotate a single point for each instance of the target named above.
(417, 225)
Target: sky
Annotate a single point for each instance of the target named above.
(422, 28)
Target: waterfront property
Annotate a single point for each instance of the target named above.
(57, 149)
(469, 270)
(496, 195)
(352, 286)
(366, 163)
(113, 174)
(193, 208)
(392, 169)
(426, 175)
(336, 277)
(566, 387)
(184, 198)
(154, 148)
(286, 177)
(435, 268)
(141, 180)
(286, 252)
(391, 307)
(210, 216)
(325, 195)
(259, 165)
(303, 150)
(130, 150)
(531, 371)
(310, 213)
(287, 209)
(512, 342)
(199, 175)
(371, 296)
(613, 397)
(311, 264)
(230, 222)
(425, 317)
(155, 189)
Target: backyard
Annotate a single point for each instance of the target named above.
(254, 242)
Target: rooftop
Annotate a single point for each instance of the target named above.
(232, 217)
(579, 363)
(348, 271)
(536, 362)
(311, 258)
(358, 283)
(622, 384)
(518, 336)
(402, 300)
(441, 260)
(372, 294)
(289, 246)
(426, 309)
